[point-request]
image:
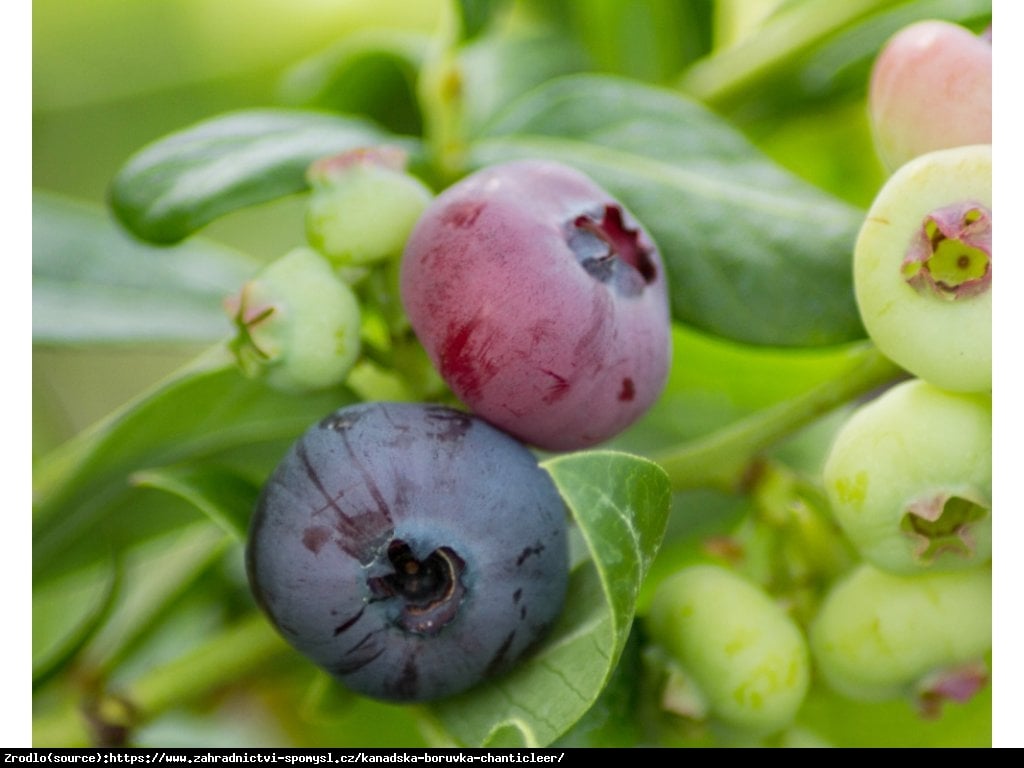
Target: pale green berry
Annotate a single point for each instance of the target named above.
(298, 324)
(879, 636)
(922, 268)
(363, 206)
(743, 653)
(909, 479)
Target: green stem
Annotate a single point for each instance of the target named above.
(440, 96)
(237, 651)
(723, 459)
(725, 76)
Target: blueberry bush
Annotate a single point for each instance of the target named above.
(505, 372)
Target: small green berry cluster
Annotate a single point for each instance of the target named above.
(878, 584)
(299, 321)
(909, 475)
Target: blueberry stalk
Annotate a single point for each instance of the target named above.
(439, 91)
(724, 459)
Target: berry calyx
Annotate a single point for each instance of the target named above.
(952, 253)
(297, 324)
(922, 268)
(429, 590)
(623, 245)
(941, 524)
(958, 684)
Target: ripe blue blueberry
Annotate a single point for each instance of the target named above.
(410, 550)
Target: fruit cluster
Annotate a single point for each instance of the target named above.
(908, 478)
(414, 550)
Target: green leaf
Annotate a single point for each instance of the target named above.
(183, 181)
(83, 488)
(92, 283)
(713, 382)
(752, 253)
(808, 52)
(66, 613)
(620, 503)
(219, 493)
(842, 63)
(613, 719)
(157, 574)
(498, 68)
(370, 72)
(648, 40)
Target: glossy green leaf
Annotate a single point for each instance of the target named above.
(92, 283)
(171, 188)
(752, 253)
(620, 503)
(84, 486)
(219, 493)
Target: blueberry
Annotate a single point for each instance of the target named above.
(931, 88)
(879, 636)
(922, 268)
(541, 301)
(909, 479)
(410, 550)
(739, 651)
(363, 205)
(297, 324)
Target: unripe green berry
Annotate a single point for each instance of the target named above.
(363, 206)
(298, 324)
(741, 650)
(922, 268)
(880, 636)
(909, 479)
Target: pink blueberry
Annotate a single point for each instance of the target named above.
(541, 301)
(931, 88)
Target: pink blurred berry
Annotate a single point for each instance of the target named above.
(931, 88)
